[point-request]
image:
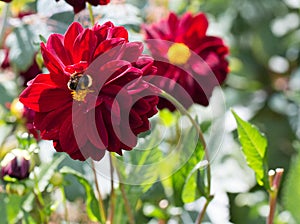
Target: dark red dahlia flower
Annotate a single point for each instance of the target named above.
(16, 164)
(94, 97)
(6, 0)
(79, 5)
(185, 55)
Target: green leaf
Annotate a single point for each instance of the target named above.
(291, 190)
(167, 117)
(139, 166)
(92, 205)
(142, 170)
(42, 38)
(21, 47)
(47, 171)
(7, 92)
(120, 215)
(10, 205)
(194, 187)
(3, 209)
(254, 146)
(180, 178)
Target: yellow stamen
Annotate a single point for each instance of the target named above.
(179, 54)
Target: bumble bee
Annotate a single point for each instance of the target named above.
(80, 82)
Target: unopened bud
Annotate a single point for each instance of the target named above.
(16, 164)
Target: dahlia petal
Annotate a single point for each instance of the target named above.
(80, 124)
(106, 70)
(102, 30)
(172, 25)
(111, 47)
(124, 75)
(211, 43)
(84, 46)
(49, 123)
(91, 151)
(78, 5)
(92, 101)
(142, 106)
(150, 32)
(71, 34)
(132, 51)
(43, 95)
(55, 45)
(127, 136)
(198, 26)
(114, 144)
(52, 63)
(104, 2)
(98, 2)
(145, 125)
(50, 135)
(135, 119)
(137, 86)
(57, 146)
(77, 155)
(119, 32)
(116, 113)
(96, 130)
(67, 139)
(145, 63)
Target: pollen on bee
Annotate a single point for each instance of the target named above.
(79, 85)
(80, 95)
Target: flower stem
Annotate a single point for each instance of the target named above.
(127, 204)
(100, 201)
(92, 18)
(125, 198)
(64, 201)
(202, 213)
(276, 177)
(112, 192)
(39, 199)
(183, 111)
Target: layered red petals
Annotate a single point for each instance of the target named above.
(190, 62)
(109, 111)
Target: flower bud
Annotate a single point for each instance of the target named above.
(16, 164)
(57, 179)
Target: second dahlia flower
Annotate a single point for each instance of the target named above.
(95, 76)
(184, 54)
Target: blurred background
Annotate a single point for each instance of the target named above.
(263, 86)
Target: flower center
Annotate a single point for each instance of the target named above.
(79, 85)
(179, 54)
